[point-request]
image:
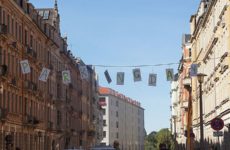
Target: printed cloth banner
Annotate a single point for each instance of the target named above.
(25, 66)
(44, 74)
(169, 74)
(120, 78)
(107, 76)
(137, 74)
(66, 77)
(193, 70)
(152, 79)
(84, 72)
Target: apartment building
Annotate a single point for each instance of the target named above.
(175, 110)
(181, 119)
(37, 115)
(210, 50)
(123, 120)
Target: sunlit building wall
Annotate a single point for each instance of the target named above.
(123, 120)
(210, 28)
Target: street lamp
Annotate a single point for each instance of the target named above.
(200, 78)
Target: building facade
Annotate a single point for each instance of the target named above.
(37, 115)
(210, 46)
(123, 120)
(181, 94)
(175, 110)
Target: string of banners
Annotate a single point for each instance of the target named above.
(120, 78)
(66, 75)
(152, 80)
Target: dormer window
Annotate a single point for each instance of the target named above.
(46, 14)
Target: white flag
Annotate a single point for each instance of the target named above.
(44, 74)
(120, 78)
(84, 72)
(136, 74)
(169, 74)
(25, 66)
(152, 79)
(66, 77)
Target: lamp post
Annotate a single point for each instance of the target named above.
(200, 78)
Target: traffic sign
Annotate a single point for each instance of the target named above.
(217, 133)
(217, 124)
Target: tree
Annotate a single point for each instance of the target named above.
(150, 141)
(164, 136)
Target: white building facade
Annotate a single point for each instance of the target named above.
(123, 120)
(176, 113)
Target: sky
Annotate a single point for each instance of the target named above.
(129, 33)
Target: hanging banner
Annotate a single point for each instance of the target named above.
(66, 77)
(25, 66)
(120, 78)
(107, 76)
(152, 79)
(137, 74)
(169, 74)
(44, 74)
(193, 70)
(84, 72)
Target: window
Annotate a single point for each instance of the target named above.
(116, 113)
(4, 98)
(21, 3)
(58, 118)
(8, 23)
(26, 37)
(117, 103)
(103, 111)
(104, 134)
(102, 101)
(117, 135)
(1, 56)
(41, 13)
(46, 14)
(190, 52)
(117, 124)
(104, 122)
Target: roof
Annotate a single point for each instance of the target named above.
(108, 91)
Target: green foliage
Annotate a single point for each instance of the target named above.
(154, 139)
(150, 141)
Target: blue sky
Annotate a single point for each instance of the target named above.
(129, 32)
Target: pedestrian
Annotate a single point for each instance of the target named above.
(162, 146)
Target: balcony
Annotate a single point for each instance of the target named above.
(31, 120)
(184, 105)
(187, 81)
(30, 52)
(91, 133)
(31, 86)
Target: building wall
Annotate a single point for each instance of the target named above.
(62, 112)
(210, 44)
(125, 120)
(180, 92)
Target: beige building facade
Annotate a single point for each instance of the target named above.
(210, 30)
